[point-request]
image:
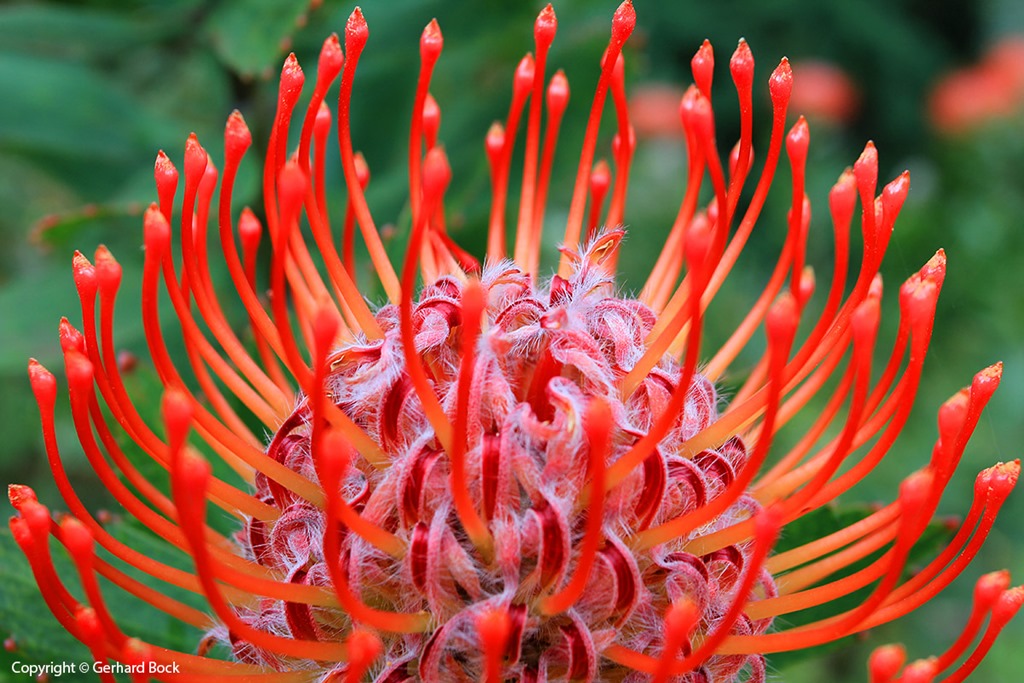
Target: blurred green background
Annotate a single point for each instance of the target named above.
(89, 91)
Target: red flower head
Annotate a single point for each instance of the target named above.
(501, 476)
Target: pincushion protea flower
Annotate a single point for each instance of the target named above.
(497, 476)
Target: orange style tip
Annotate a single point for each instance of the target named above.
(102, 253)
(875, 289)
(156, 231)
(363, 647)
(474, 299)
(19, 494)
(42, 380)
(920, 671)
(37, 517)
(134, 651)
(237, 137)
(436, 172)
(70, 338)
(82, 269)
(681, 617)
(934, 270)
(431, 111)
(919, 297)
(325, 328)
(886, 661)
(992, 373)
(741, 65)
(21, 533)
(782, 320)
(493, 627)
(623, 22)
(805, 286)
(79, 370)
(77, 537)
(798, 140)
(698, 241)
(866, 167)
(322, 122)
(177, 412)
(844, 193)
(331, 60)
(291, 73)
(702, 64)
(914, 491)
(195, 159)
(362, 170)
(249, 228)
(952, 414)
(865, 321)
(558, 93)
(600, 177)
(1002, 477)
(990, 586)
(523, 80)
(195, 473)
(780, 84)
(894, 195)
(986, 382)
(1008, 604)
(88, 621)
(356, 32)
(494, 143)
(163, 169)
(545, 27)
(291, 184)
(431, 41)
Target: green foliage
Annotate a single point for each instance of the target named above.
(39, 637)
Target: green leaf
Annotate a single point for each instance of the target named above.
(251, 37)
(40, 638)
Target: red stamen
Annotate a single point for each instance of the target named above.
(623, 146)
(1005, 608)
(600, 181)
(521, 84)
(597, 422)
(703, 66)
(431, 44)
(166, 177)
(623, 23)
(474, 305)
(356, 33)
(436, 174)
(494, 628)
(681, 618)
(885, 662)
(781, 329)
(544, 29)
(363, 649)
(557, 100)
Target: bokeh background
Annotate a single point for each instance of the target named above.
(90, 90)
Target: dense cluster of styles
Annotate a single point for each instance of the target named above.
(500, 476)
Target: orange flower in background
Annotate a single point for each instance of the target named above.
(499, 475)
(824, 92)
(993, 89)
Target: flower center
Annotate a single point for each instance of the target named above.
(559, 562)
